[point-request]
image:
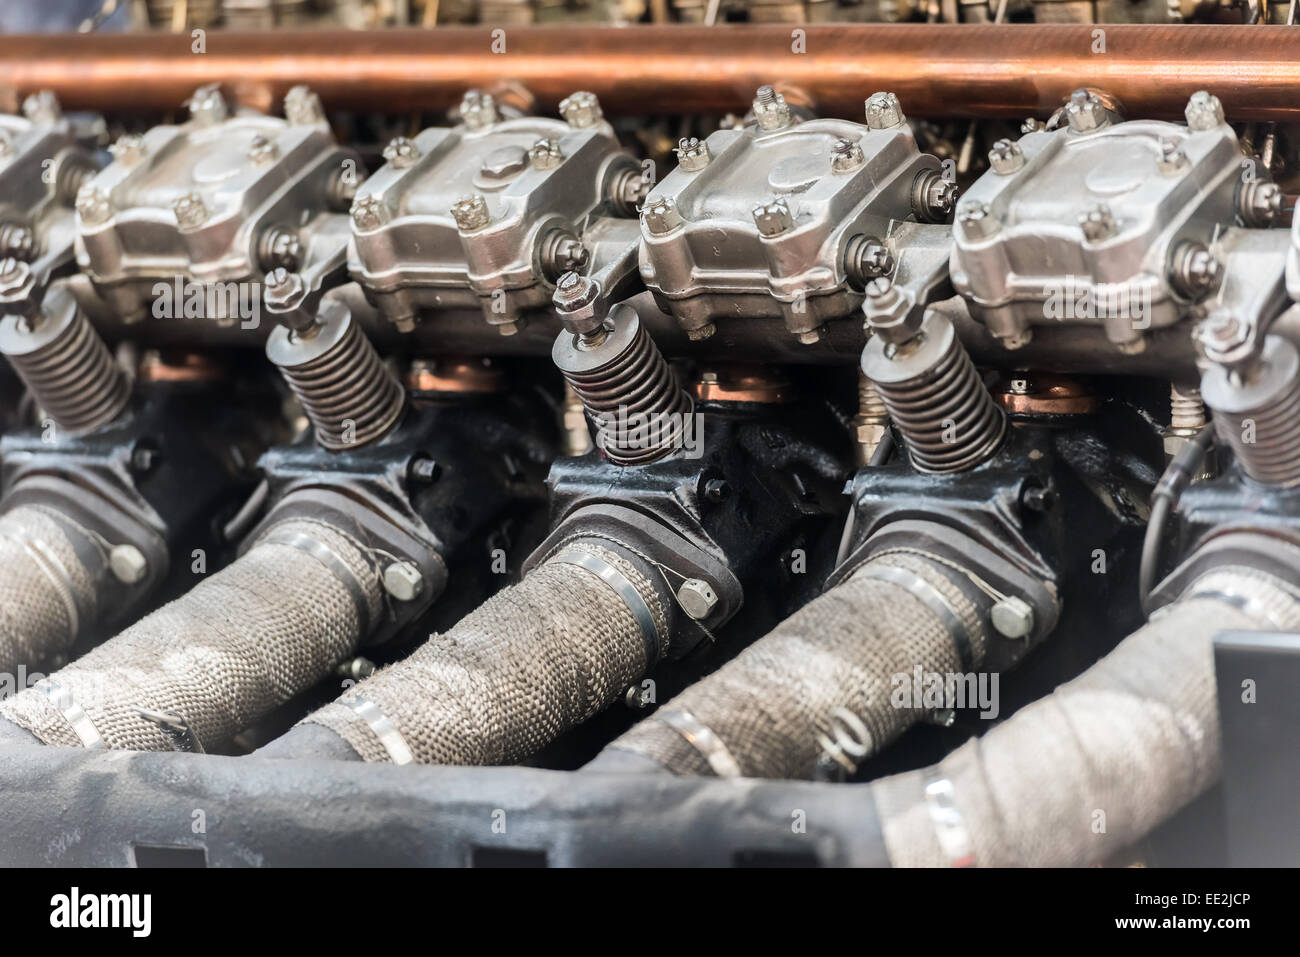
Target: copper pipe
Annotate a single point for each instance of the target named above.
(1011, 70)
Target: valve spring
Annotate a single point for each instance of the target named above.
(1257, 414)
(639, 409)
(936, 399)
(72, 376)
(349, 395)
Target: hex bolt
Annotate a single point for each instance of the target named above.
(284, 291)
(884, 112)
(17, 240)
(573, 298)
(581, 110)
(638, 698)
(1085, 112)
(1012, 617)
(563, 252)
(1097, 223)
(661, 216)
(190, 211)
(302, 107)
(478, 110)
(1203, 111)
(93, 205)
(545, 154)
(368, 213)
(1260, 203)
(401, 153)
(1196, 271)
(692, 154)
(403, 581)
(933, 196)
(42, 107)
(471, 213)
(773, 218)
(262, 151)
(771, 112)
(279, 247)
(128, 150)
(423, 470)
(207, 106)
(1173, 158)
(14, 274)
(128, 564)
(1006, 157)
(846, 156)
(977, 220)
(697, 598)
(887, 312)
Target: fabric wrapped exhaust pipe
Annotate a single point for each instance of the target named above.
(240, 643)
(50, 572)
(533, 661)
(1086, 771)
(767, 712)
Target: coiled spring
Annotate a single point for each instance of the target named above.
(1257, 412)
(65, 364)
(627, 388)
(935, 398)
(348, 394)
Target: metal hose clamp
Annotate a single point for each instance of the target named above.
(399, 752)
(625, 590)
(701, 737)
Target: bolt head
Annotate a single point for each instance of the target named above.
(284, 290)
(1262, 203)
(1173, 158)
(262, 151)
(1012, 617)
(471, 213)
(692, 154)
(697, 598)
(128, 564)
(977, 221)
(846, 156)
(403, 581)
(368, 213)
(1097, 223)
(1085, 112)
(1006, 157)
(773, 218)
(207, 106)
(886, 311)
(581, 110)
(128, 150)
(545, 154)
(884, 111)
(771, 112)
(42, 107)
(661, 216)
(478, 110)
(190, 211)
(1203, 111)
(401, 152)
(93, 205)
(302, 107)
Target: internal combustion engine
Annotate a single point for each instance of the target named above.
(515, 420)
